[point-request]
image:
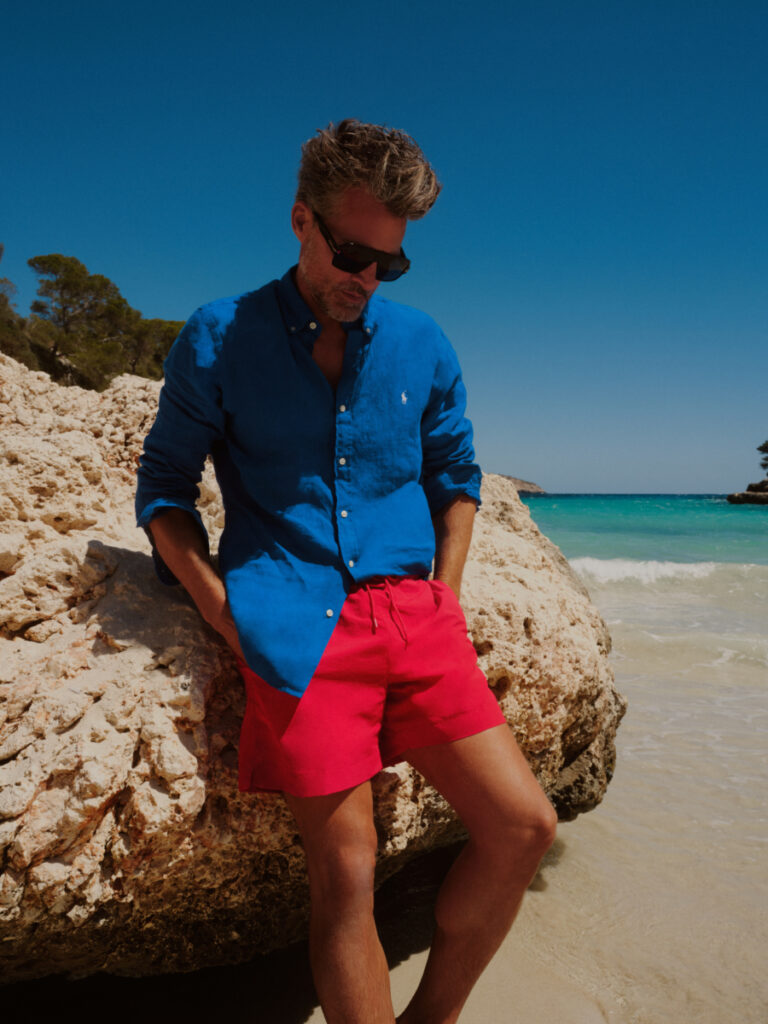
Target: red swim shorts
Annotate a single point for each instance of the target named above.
(398, 673)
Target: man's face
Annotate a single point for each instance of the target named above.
(355, 217)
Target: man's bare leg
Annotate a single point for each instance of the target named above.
(348, 963)
(511, 824)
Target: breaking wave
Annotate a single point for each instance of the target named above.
(614, 570)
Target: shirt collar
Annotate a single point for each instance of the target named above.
(299, 317)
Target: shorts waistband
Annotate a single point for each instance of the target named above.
(386, 583)
(379, 581)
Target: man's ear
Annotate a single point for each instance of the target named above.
(301, 220)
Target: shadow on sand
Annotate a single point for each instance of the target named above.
(272, 989)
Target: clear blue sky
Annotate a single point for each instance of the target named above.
(599, 255)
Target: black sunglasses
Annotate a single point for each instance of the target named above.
(353, 258)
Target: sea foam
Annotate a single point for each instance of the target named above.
(614, 570)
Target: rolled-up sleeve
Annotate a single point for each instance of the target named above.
(189, 421)
(449, 466)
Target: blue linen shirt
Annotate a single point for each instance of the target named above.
(321, 491)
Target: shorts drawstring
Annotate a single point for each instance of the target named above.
(393, 609)
(374, 620)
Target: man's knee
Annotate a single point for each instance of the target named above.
(523, 834)
(536, 833)
(343, 873)
(543, 828)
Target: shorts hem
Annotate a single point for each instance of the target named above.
(316, 783)
(472, 726)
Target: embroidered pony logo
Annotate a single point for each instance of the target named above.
(403, 397)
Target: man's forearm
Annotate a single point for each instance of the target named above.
(182, 548)
(453, 533)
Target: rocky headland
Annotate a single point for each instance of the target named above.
(523, 486)
(755, 494)
(125, 845)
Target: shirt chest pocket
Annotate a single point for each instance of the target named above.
(385, 433)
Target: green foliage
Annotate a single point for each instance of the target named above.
(81, 330)
(12, 339)
(149, 344)
(764, 449)
(89, 320)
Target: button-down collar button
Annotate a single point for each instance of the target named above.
(367, 330)
(312, 325)
(329, 612)
(344, 513)
(342, 461)
(351, 563)
(342, 408)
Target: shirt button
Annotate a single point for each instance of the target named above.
(367, 330)
(342, 461)
(351, 563)
(312, 325)
(342, 408)
(344, 513)
(329, 613)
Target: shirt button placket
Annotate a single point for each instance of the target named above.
(341, 471)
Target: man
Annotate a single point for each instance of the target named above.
(335, 419)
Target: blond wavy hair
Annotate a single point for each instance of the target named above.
(353, 154)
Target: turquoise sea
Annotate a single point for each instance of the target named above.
(667, 883)
(681, 580)
(653, 527)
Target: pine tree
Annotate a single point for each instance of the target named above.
(83, 319)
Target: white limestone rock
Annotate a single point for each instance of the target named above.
(124, 843)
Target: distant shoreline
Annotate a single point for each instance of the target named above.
(523, 486)
(527, 487)
(624, 494)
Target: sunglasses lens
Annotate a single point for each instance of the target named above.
(394, 268)
(353, 259)
(350, 264)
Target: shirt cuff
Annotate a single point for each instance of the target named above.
(443, 487)
(164, 574)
